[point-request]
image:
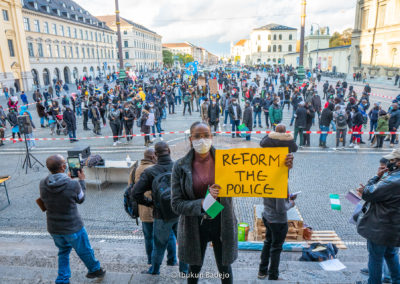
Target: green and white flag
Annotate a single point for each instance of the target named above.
(212, 206)
(335, 202)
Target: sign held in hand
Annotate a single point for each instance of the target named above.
(252, 172)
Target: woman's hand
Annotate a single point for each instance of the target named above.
(214, 190)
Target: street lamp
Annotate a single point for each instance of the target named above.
(300, 68)
(122, 74)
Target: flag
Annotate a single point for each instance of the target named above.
(335, 202)
(212, 206)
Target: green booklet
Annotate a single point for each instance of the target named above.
(212, 206)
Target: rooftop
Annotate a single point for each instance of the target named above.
(275, 27)
(174, 45)
(110, 21)
(66, 9)
(241, 42)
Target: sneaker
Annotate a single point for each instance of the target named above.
(351, 145)
(115, 144)
(162, 139)
(357, 147)
(391, 145)
(262, 275)
(364, 271)
(97, 274)
(223, 125)
(387, 280)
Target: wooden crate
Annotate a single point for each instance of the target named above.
(325, 237)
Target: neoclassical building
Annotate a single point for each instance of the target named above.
(141, 47)
(376, 38)
(65, 42)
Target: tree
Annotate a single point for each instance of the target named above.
(340, 39)
(168, 58)
(185, 58)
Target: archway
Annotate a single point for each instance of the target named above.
(57, 74)
(98, 73)
(35, 75)
(85, 72)
(67, 75)
(46, 76)
(91, 72)
(75, 73)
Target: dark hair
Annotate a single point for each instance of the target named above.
(197, 123)
(54, 163)
(383, 161)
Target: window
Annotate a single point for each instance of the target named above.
(30, 49)
(269, 37)
(274, 48)
(290, 37)
(46, 27)
(95, 35)
(102, 55)
(381, 15)
(81, 32)
(40, 50)
(125, 43)
(83, 52)
(280, 37)
(364, 18)
(11, 47)
(62, 30)
(71, 52)
(91, 36)
(274, 37)
(36, 24)
(54, 26)
(86, 35)
(125, 32)
(280, 48)
(27, 25)
(57, 51)
(269, 48)
(49, 51)
(92, 52)
(88, 52)
(65, 51)
(75, 33)
(126, 55)
(68, 31)
(290, 47)
(5, 15)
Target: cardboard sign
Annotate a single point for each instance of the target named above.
(213, 86)
(201, 81)
(252, 172)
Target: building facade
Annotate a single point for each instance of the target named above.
(268, 44)
(241, 51)
(15, 69)
(141, 47)
(376, 38)
(186, 48)
(65, 42)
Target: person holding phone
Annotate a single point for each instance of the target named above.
(60, 195)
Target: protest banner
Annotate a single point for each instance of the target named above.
(201, 81)
(252, 172)
(213, 86)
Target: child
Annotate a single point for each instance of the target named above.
(279, 138)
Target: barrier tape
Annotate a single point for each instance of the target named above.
(185, 132)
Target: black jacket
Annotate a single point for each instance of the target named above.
(379, 220)
(238, 111)
(327, 116)
(357, 119)
(257, 104)
(213, 113)
(248, 118)
(316, 102)
(276, 139)
(164, 164)
(301, 118)
(394, 120)
(70, 120)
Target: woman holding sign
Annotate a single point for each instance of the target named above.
(195, 199)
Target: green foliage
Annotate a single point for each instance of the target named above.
(340, 39)
(168, 58)
(185, 58)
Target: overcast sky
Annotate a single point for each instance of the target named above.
(213, 24)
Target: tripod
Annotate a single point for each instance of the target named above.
(28, 156)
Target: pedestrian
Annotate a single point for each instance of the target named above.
(85, 108)
(213, 114)
(152, 177)
(383, 126)
(24, 98)
(257, 107)
(373, 119)
(309, 122)
(186, 103)
(279, 138)
(235, 113)
(192, 177)
(70, 120)
(316, 104)
(300, 122)
(340, 118)
(326, 119)
(60, 195)
(13, 120)
(394, 122)
(145, 123)
(128, 118)
(3, 119)
(41, 111)
(94, 112)
(204, 110)
(377, 221)
(146, 213)
(114, 116)
(357, 122)
(275, 113)
(248, 118)
(268, 101)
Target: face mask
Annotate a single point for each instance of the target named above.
(126, 108)
(202, 146)
(392, 167)
(214, 103)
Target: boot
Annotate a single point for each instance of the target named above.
(324, 145)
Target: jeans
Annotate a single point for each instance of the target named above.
(392, 137)
(72, 134)
(78, 110)
(79, 241)
(147, 228)
(115, 128)
(255, 115)
(333, 124)
(171, 106)
(322, 138)
(375, 260)
(299, 131)
(372, 126)
(266, 119)
(226, 112)
(158, 126)
(341, 133)
(292, 119)
(187, 104)
(42, 120)
(161, 234)
(178, 99)
(235, 127)
(271, 252)
(210, 231)
(85, 119)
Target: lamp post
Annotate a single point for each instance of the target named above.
(300, 68)
(122, 74)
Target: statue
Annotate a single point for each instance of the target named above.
(312, 30)
(327, 30)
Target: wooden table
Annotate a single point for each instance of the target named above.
(4, 185)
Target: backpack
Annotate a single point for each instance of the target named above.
(94, 160)
(130, 205)
(161, 188)
(319, 252)
(341, 121)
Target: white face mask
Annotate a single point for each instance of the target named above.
(202, 146)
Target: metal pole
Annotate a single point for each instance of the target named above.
(302, 31)
(122, 74)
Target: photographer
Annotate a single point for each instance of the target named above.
(60, 194)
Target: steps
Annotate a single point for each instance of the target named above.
(29, 260)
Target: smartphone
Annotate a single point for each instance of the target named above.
(74, 165)
(294, 195)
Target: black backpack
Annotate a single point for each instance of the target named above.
(161, 188)
(341, 121)
(130, 205)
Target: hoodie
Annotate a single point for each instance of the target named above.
(275, 209)
(60, 195)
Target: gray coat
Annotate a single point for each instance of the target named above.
(185, 204)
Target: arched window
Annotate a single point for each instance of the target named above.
(290, 47)
(274, 48)
(274, 37)
(280, 37)
(274, 60)
(290, 37)
(259, 49)
(269, 48)
(280, 48)
(269, 37)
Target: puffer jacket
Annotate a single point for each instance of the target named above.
(379, 220)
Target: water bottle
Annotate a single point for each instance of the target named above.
(128, 160)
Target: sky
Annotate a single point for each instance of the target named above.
(213, 24)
